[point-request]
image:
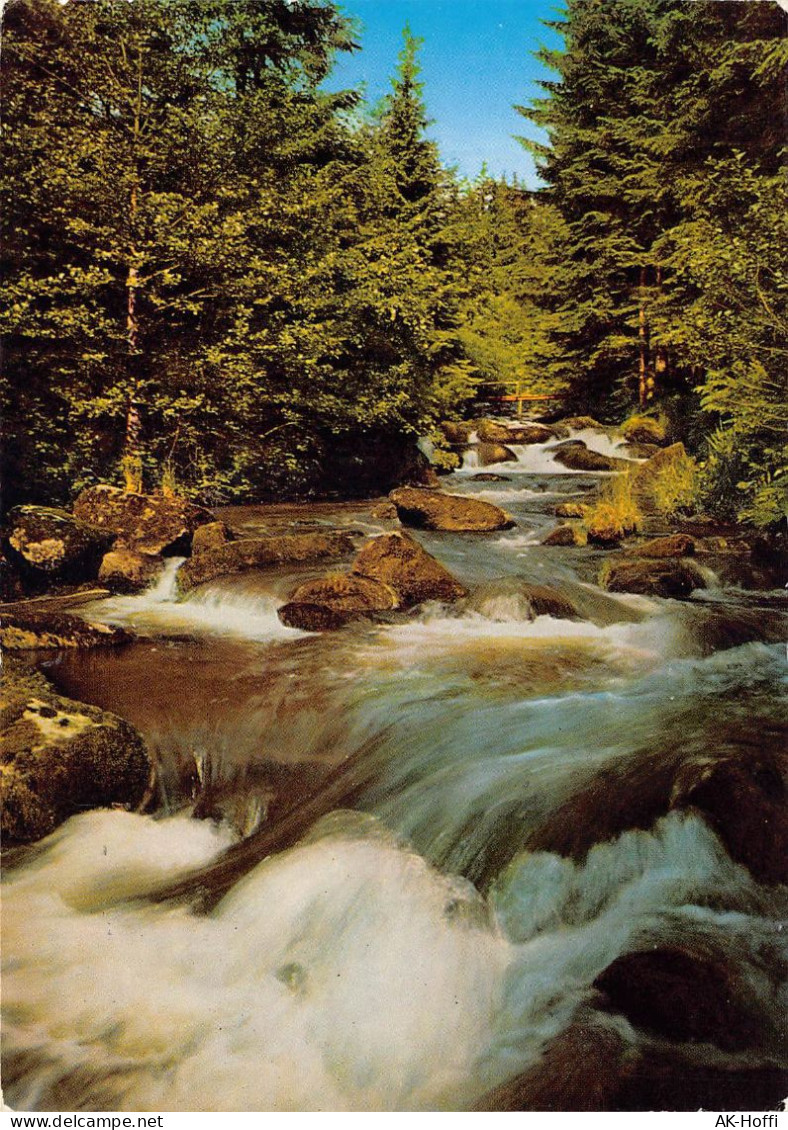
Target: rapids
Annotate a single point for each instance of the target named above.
(440, 831)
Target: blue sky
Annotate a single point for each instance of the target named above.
(476, 63)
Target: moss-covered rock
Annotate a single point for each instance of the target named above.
(391, 572)
(347, 592)
(458, 431)
(48, 544)
(582, 423)
(151, 524)
(211, 536)
(675, 545)
(532, 433)
(433, 510)
(309, 617)
(59, 757)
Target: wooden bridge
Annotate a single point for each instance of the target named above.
(520, 397)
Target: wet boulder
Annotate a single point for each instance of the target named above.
(151, 524)
(309, 617)
(579, 1071)
(27, 629)
(398, 562)
(684, 996)
(260, 553)
(744, 797)
(676, 545)
(575, 455)
(384, 512)
(48, 544)
(211, 536)
(59, 757)
(490, 453)
(532, 433)
(124, 570)
(433, 510)
(671, 577)
(562, 536)
(644, 429)
(490, 477)
(347, 592)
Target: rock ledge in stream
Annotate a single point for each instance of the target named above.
(59, 757)
(24, 629)
(148, 523)
(392, 571)
(260, 553)
(433, 510)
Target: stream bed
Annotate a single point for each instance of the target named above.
(488, 819)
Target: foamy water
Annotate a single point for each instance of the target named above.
(210, 609)
(306, 988)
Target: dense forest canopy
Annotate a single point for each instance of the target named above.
(218, 275)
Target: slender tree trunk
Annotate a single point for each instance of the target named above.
(132, 454)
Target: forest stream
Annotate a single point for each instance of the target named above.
(421, 843)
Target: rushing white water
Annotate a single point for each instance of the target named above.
(539, 458)
(306, 988)
(209, 610)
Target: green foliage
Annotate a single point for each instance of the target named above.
(195, 235)
(665, 128)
